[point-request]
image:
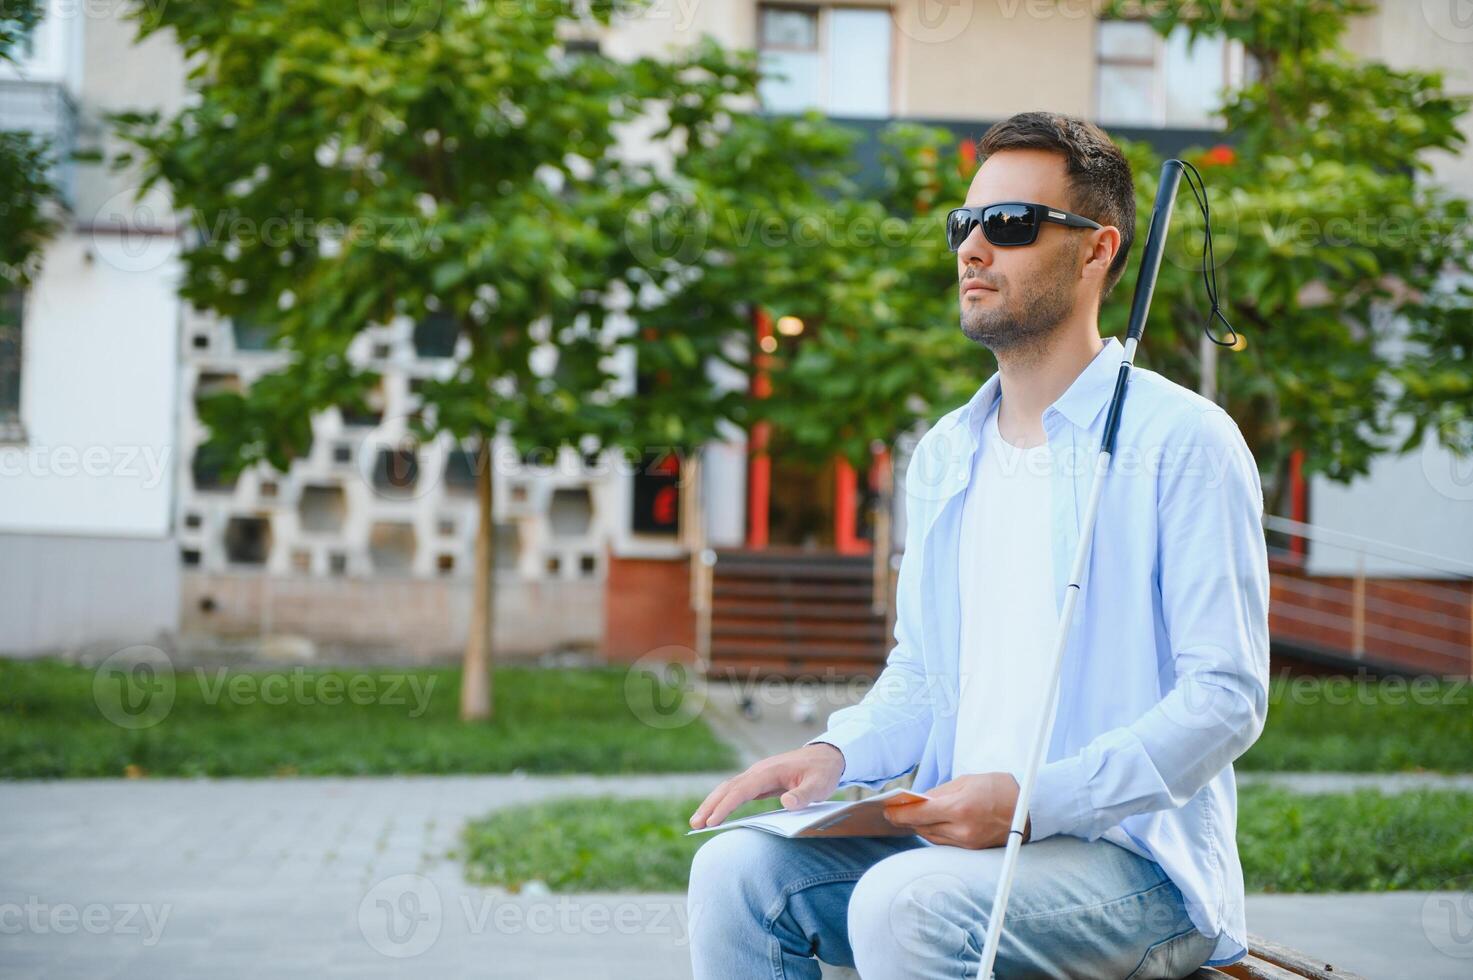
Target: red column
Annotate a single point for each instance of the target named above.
(846, 501)
(846, 504)
(759, 464)
(1298, 499)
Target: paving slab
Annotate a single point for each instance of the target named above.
(346, 877)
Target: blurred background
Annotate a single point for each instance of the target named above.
(499, 413)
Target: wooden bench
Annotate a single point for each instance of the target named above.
(1270, 961)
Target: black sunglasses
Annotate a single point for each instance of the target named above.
(1008, 222)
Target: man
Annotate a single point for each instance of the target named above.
(1129, 866)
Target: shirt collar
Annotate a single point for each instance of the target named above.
(1081, 403)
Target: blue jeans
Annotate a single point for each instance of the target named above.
(895, 907)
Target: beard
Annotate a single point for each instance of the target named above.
(1020, 321)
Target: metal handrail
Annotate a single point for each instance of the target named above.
(1370, 546)
(1363, 604)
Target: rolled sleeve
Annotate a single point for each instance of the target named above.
(1058, 802)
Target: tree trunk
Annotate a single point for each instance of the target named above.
(475, 677)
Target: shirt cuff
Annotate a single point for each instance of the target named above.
(1059, 804)
(824, 739)
(852, 745)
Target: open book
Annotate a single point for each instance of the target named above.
(833, 818)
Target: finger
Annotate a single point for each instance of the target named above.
(915, 814)
(900, 816)
(808, 789)
(739, 792)
(944, 833)
(934, 836)
(698, 819)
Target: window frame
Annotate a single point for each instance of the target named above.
(13, 308)
(822, 12)
(1234, 76)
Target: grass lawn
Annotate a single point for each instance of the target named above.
(1365, 725)
(54, 723)
(1335, 842)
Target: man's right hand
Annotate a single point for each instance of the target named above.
(802, 776)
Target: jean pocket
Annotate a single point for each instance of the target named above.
(1173, 958)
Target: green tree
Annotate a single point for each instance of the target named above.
(1345, 271)
(27, 194)
(879, 286)
(857, 256)
(342, 168)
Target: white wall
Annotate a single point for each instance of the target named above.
(55, 48)
(97, 395)
(1424, 499)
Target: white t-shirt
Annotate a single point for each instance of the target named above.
(1009, 615)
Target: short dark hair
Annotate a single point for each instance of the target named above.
(1099, 175)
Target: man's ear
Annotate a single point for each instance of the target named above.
(1103, 245)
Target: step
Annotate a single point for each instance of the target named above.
(764, 589)
(869, 632)
(811, 649)
(794, 610)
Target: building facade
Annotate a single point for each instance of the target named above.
(90, 391)
(115, 528)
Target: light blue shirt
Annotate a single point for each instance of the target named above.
(1165, 674)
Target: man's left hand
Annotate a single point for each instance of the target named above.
(969, 811)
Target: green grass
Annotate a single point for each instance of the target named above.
(589, 844)
(1365, 725)
(1335, 842)
(550, 721)
(546, 721)
(1361, 841)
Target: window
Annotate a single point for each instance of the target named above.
(836, 59)
(435, 335)
(248, 540)
(11, 307)
(1143, 79)
(251, 333)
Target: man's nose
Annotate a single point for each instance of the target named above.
(975, 248)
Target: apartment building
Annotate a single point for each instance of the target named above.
(790, 584)
(88, 375)
(365, 546)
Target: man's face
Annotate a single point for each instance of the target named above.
(1013, 298)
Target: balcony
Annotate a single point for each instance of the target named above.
(45, 109)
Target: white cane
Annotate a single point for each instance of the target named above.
(1140, 305)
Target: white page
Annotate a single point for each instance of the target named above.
(789, 822)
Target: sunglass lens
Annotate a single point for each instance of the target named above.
(1009, 224)
(959, 224)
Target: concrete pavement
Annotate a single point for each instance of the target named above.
(302, 877)
(327, 877)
